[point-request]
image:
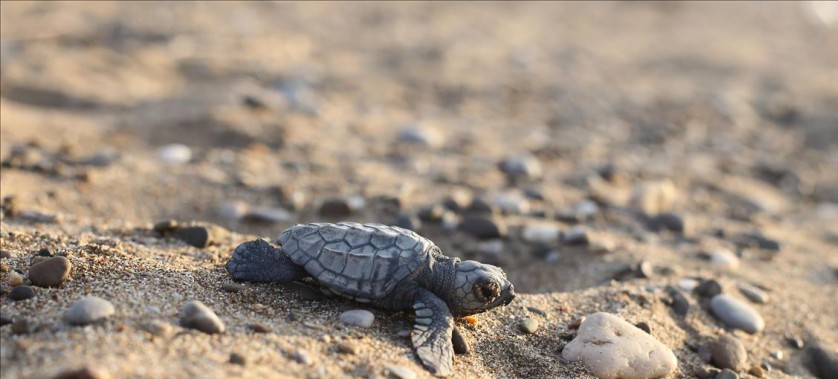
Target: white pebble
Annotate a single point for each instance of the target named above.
(546, 233)
(175, 154)
(400, 372)
(587, 208)
(724, 260)
(89, 309)
(232, 210)
(358, 317)
(512, 203)
(688, 284)
(491, 247)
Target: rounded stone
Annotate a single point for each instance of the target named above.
(399, 372)
(196, 315)
(335, 208)
(237, 359)
(727, 374)
(546, 233)
(89, 309)
(347, 348)
(528, 325)
(197, 236)
(613, 348)
(709, 288)
(724, 260)
(21, 293)
(753, 293)
(357, 317)
(484, 227)
(729, 352)
(461, 346)
(735, 313)
(14, 279)
(175, 154)
(51, 272)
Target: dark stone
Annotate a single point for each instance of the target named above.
(460, 344)
(432, 213)
(253, 102)
(5, 318)
(644, 326)
(237, 359)
(23, 326)
(21, 293)
(534, 194)
(335, 208)
(408, 221)
(165, 227)
(86, 372)
(44, 252)
(259, 328)
(706, 373)
(233, 287)
(729, 352)
(795, 342)
(678, 301)
(51, 272)
(825, 361)
(480, 206)
(484, 227)
(727, 374)
(709, 288)
(5, 254)
(197, 236)
(537, 311)
(667, 221)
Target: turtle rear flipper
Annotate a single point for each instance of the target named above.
(432, 333)
(258, 261)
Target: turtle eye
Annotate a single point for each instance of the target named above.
(486, 290)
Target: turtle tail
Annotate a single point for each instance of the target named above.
(258, 261)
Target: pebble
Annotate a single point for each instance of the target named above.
(668, 221)
(268, 215)
(335, 208)
(736, 314)
(21, 293)
(546, 233)
(347, 348)
(644, 326)
(233, 287)
(795, 342)
(729, 352)
(678, 302)
(14, 279)
(404, 333)
(484, 227)
(612, 348)
(460, 344)
(198, 236)
(157, 328)
(521, 166)
(528, 325)
(578, 235)
(756, 371)
(511, 203)
(706, 373)
(753, 293)
(86, 372)
(5, 318)
(259, 328)
(777, 354)
(357, 317)
(302, 357)
(89, 309)
(165, 227)
(586, 209)
(23, 326)
(688, 284)
(5, 254)
(653, 198)
(399, 372)
(232, 210)
(51, 272)
(196, 315)
(537, 311)
(237, 359)
(727, 374)
(645, 269)
(422, 135)
(174, 154)
(490, 247)
(724, 260)
(408, 221)
(825, 360)
(709, 288)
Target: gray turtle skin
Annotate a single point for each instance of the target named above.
(385, 266)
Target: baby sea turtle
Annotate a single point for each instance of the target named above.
(386, 266)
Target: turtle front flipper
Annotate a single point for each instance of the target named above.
(258, 261)
(432, 333)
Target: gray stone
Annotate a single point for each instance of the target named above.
(528, 325)
(753, 293)
(729, 352)
(21, 293)
(196, 315)
(825, 361)
(358, 317)
(459, 342)
(233, 287)
(724, 260)
(522, 166)
(612, 348)
(735, 313)
(709, 288)
(484, 227)
(578, 235)
(727, 374)
(542, 232)
(302, 357)
(232, 210)
(399, 372)
(668, 222)
(52, 272)
(198, 236)
(511, 203)
(88, 310)
(422, 135)
(265, 215)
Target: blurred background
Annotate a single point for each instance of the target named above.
(496, 129)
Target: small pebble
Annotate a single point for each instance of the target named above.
(644, 326)
(709, 288)
(511, 203)
(678, 302)
(484, 227)
(753, 293)
(688, 284)
(265, 215)
(724, 260)
(756, 371)
(196, 315)
(237, 359)
(157, 328)
(586, 209)
(88, 310)
(729, 352)
(233, 287)
(87, 372)
(422, 135)
(460, 344)
(347, 348)
(528, 325)
(399, 372)
(404, 333)
(736, 314)
(259, 328)
(727, 374)
(537, 311)
(795, 342)
(778, 355)
(521, 166)
(408, 221)
(358, 317)
(645, 270)
(653, 198)
(198, 236)
(21, 293)
(546, 233)
(669, 222)
(471, 320)
(335, 208)
(578, 235)
(23, 326)
(5, 254)
(302, 357)
(51, 272)
(706, 373)
(5, 318)
(174, 154)
(14, 279)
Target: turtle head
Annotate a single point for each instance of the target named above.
(479, 287)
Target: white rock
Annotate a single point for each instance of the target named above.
(724, 260)
(89, 309)
(688, 284)
(232, 210)
(587, 209)
(422, 135)
(654, 197)
(196, 315)
(175, 154)
(613, 348)
(400, 372)
(736, 313)
(512, 203)
(358, 317)
(546, 233)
